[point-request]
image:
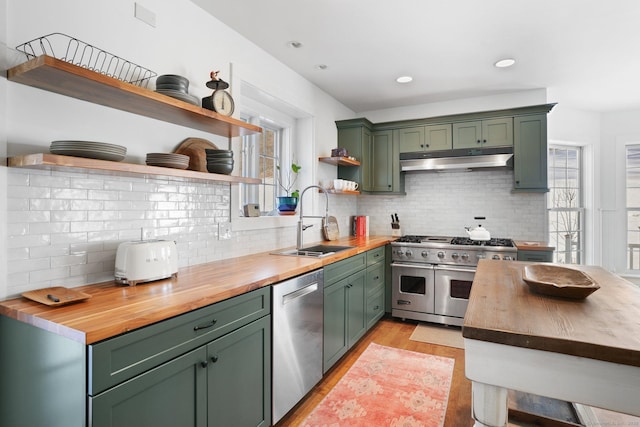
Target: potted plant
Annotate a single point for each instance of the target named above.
(287, 204)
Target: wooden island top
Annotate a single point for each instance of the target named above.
(115, 309)
(604, 326)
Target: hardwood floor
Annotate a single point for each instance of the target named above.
(393, 333)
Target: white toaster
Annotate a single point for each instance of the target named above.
(146, 260)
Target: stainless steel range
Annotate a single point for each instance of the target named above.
(432, 275)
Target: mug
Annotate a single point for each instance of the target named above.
(338, 184)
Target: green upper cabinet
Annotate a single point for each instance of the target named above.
(355, 136)
(483, 133)
(425, 138)
(530, 153)
(381, 161)
(377, 151)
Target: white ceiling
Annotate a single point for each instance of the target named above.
(586, 53)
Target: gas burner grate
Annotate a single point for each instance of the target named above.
(508, 243)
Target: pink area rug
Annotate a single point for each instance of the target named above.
(388, 387)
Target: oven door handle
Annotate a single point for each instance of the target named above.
(418, 266)
(456, 269)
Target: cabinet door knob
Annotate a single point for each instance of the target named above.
(214, 359)
(478, 142)
(426, 145)
(204, 363)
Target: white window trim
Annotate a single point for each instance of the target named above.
(260, 108)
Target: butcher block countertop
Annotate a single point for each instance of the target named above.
(114, 309)
(532, 245)
(604, 326)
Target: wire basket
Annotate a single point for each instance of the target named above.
(77, 52)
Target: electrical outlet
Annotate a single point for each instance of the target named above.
(224, 230)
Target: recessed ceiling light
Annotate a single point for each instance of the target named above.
(321, 67)
(404, 79)
(504, 63)
(294, 44)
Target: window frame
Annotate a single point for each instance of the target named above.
(580, 210)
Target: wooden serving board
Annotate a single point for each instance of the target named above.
(194, 148)
(48, 296)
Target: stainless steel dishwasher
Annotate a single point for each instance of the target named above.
(297, 340)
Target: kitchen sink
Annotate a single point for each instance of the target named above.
(316, 251)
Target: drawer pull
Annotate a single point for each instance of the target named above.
(377, 307)
(205, 326)
(376, 278)
(214, 359)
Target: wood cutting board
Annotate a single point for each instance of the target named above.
(194, 148)
(48, 296)
(330, 228)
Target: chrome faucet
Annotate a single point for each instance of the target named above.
(301, 226)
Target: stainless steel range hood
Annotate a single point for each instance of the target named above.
(460, 159)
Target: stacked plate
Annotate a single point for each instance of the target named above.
(89, 149)
(176, 87)
(168, 160)
(219, 161)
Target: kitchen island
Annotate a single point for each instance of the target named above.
(585, 351)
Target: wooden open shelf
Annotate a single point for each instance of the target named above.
(57, 162)
(341, 161)
(54, 75)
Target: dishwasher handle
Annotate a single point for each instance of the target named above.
(287, 298)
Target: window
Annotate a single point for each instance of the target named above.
(633, 206)
(565, 204)
(260, 157)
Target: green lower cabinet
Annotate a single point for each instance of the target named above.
(344, 316)
(239, 377)
(225, 383)
(354, 300)
(535, 256)
(375, 308)
(173, 394)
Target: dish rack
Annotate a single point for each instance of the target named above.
(82, 54)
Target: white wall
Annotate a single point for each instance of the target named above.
(100, 211)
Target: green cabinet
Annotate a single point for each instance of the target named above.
(535, 256)
(530, 153)
(355, 136)
(483, 133)
(381, 162)
(354, 300)
(225, 382)
(344, 307)
(379, 170)
(425, 138)
(208, 367)
(375, 285)
(172, 394)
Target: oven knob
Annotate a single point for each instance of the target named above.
(508, 258)
(440, 254)
(480, 256)
(465, 256)
(495, 257)
(425, 254)
(454, 255)
(409, 253)
(399, 252)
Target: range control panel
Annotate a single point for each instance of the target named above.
(457, 256)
